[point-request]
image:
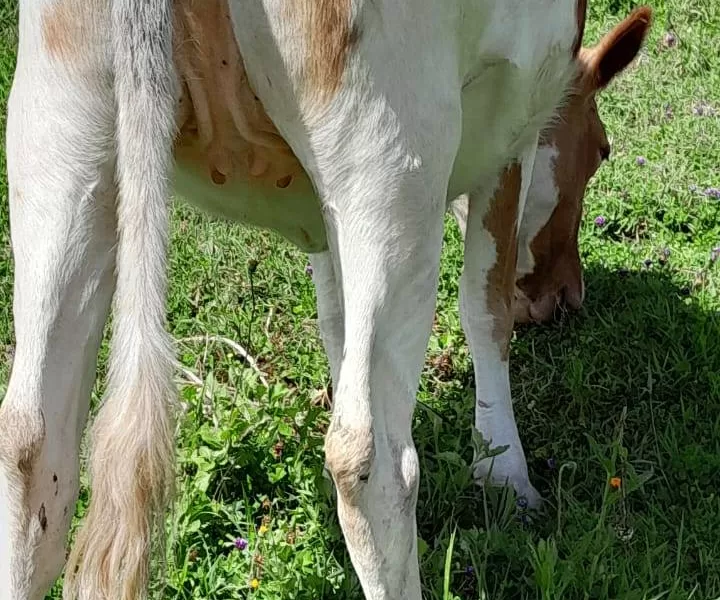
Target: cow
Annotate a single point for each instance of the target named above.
(372, 115)
(549, 271)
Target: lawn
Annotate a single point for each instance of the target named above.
(629, 387)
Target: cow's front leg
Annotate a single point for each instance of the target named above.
(486, 294)
(62, 194)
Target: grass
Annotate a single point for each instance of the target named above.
(629, 387)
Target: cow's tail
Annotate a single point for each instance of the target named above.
(132, 451)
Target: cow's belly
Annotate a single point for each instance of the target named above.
(230, 159)
(519, 67)
(293, 212)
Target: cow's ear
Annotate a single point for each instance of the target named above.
(617, 49)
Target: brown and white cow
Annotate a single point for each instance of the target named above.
(371, 114)
(549, 271)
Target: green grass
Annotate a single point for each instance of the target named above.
(628, 387)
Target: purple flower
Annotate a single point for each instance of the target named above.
(715, 254)
(309, 270)
(669, 40)
(600, 221)
(551, 463)
(469, 570)
(241, 543)
(640, 161)
(522, 503)
(713, 192)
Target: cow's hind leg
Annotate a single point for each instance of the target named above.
(389, 278)
(59, 144)
(379, 141)
(330, 310)
(386, 235)
(486, 294)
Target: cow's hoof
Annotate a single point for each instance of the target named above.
(527, 496)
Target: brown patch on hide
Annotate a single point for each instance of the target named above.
(329, 37)
(501, 222)
(73, 30)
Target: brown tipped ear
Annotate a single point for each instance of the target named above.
(580, 14)
(618, 48)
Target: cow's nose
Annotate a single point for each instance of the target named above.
(533, 311)
(543, 308)
(573, 295)
(521, 308)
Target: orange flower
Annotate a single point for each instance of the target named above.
(615, 483)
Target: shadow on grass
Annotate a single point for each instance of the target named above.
(627, 387)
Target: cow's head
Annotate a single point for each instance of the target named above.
(549, 270)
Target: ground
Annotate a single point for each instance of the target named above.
(618, 406)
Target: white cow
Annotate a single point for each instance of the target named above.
(371, 114)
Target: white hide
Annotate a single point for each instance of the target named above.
(541, 202)
(437, 97)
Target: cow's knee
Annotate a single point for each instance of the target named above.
(349, 457)
(22, 433)
(38, 490)
(384, 467)
(23, 517)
